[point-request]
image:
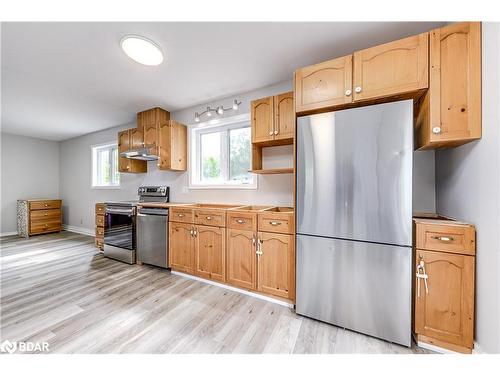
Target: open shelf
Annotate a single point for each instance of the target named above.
(272, 171)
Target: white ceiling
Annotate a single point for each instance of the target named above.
(61, 80)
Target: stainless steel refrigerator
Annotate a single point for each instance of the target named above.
(354, 219)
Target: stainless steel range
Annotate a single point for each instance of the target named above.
(120, 223)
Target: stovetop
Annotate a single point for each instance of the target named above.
(153, 194)
(123, 203)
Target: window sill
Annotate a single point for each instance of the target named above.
(106, 187)
(223, 187)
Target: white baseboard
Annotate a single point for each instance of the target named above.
(435, 348)
(238, 290)
(79, 230)
(5, 234)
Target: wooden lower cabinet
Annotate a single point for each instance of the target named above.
(181, 247)
(446, 312)
(276, 264)
(241, 258)
(100, 209)
(210, 252)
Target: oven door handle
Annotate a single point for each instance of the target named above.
(119, 212)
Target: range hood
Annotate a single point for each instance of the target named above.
(142, 153)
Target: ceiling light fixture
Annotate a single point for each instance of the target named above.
(219, 110)
(142, 50)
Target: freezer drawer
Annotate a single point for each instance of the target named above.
(361, 286)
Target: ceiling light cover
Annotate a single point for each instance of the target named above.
(142, 50)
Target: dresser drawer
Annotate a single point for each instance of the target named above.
(181, 215)
(99, 232)
(99, 220)
(45, 205)
(216, 218)
(449, 237)
(45, 215)
(99, 243)
(276, 221)
(100, 208)
(45, 227)
(241, 220)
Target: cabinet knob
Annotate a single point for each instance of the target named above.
(275, 132)
(128, 166)
(208, 217)
(240, 221)
(358, 89)
(348, 92)
(270, 133)
(158, 164)
(436, 130)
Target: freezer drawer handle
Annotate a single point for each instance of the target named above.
(443, 238)
(275, 223)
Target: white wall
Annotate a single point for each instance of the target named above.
(30, 169)
(468, 188)
(79, 198)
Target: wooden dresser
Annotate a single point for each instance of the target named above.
(99, 225)
(445, 255)
(38, 216)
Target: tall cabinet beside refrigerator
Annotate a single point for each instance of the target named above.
(354, 219)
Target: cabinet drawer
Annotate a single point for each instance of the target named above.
(43, 227)
(99, 232)
(242, 220)
(276, 222)
(450, 238)
(99, 243)
(215, 218)
(45, 205)
(45, 215)
(100, 208)
(181, 215)
(99, 220)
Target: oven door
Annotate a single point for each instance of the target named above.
(119, 227)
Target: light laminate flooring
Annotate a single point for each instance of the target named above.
(58, 288)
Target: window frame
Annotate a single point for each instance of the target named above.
(93, 166)
(195, 162)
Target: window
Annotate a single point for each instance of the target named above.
(221, 154)
(105, 166)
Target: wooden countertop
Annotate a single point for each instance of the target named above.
(224, 207)
(163, 205)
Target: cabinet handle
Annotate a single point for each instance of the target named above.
(195, 232)
(348, 92)
(191, 231)
(180, 215)
(270, 133)
(436, 130)
(208, 217)
(45, 214)
(46, 205)
(442, 238)
(240, 221)
(259, 248)
(275, 223)
(421, 275)
(358, 89)
(276, 132)
(253, 240)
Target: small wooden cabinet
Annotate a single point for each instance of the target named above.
(273, 120)
(242, 258)
(391, 69)
(128, 139)
(324, 85)
(38, 216)
(449, 114)
(172, 146)
(149, 123)
(100, 209)
(444, 313)
(181, 247)
(210, 252)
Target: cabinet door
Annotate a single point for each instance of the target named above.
(123, 145)
(450, 114)
(136, 138)
(178, 146)
(262, 120)
(181, 247)
(210, 252)
(276, 265)
(391, 69)
(241, 258)
(446, 312)
(324, 85)
(147, 121)
(284, 116)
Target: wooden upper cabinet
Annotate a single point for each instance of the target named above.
(241, 258)
(149, 122)
(181, 247)
(391, 69)
(172, 146)
(324, 85)
(210, 252)
(446, 312)
(276, 265)
(128, 139)
(262, 113)
(284, 116)
(136, 138)
(449, 114)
